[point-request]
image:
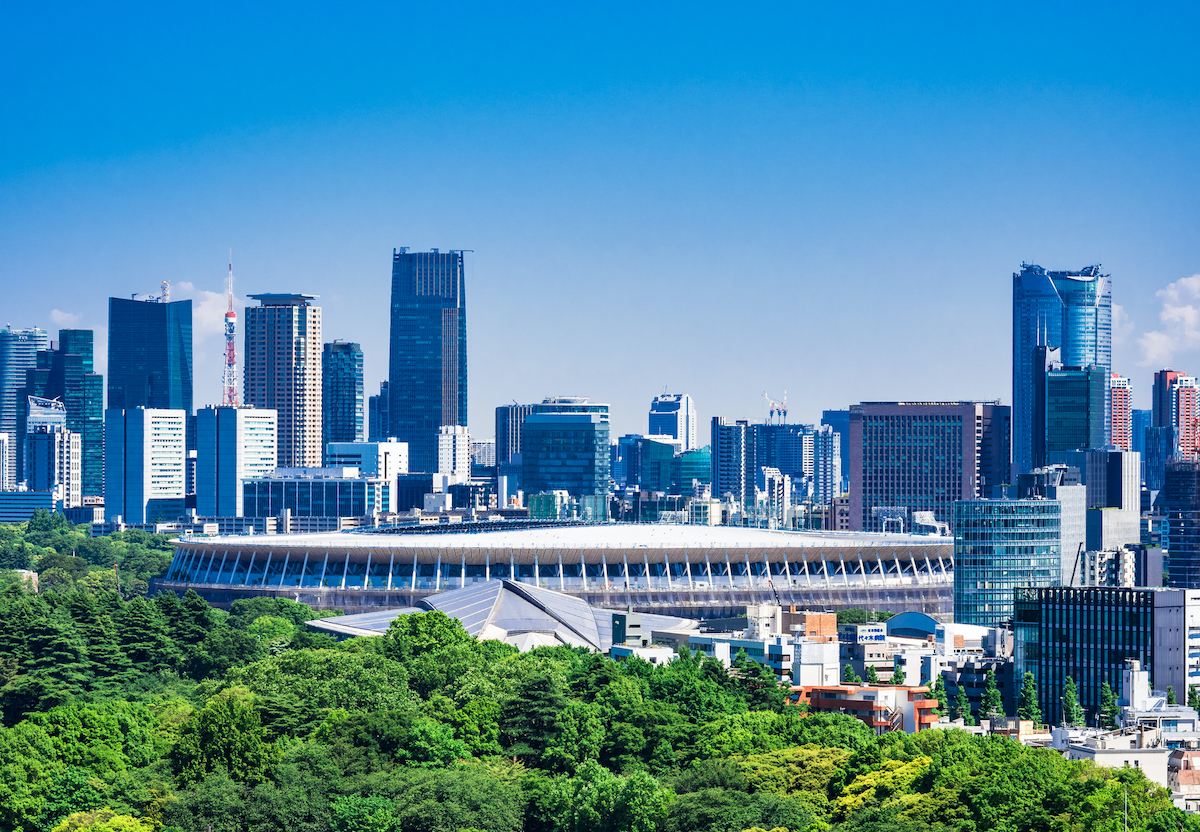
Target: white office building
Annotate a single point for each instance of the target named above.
(453, 455)
(382, 460)
(145, 461)
(672, 414)
(54, 463)
(233, 444)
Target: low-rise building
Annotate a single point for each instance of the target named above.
(882, 708)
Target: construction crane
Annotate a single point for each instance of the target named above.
(775, 408)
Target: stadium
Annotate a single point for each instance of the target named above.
(697, 571)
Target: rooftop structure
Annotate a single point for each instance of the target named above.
(512, 612)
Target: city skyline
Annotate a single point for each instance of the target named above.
(907, 168)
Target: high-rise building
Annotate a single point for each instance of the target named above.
(1000, 545)
(510, 418)
(382, 460)
(827, 465)
(1139, 421)
(18, 353)
(378, 424)
(923, 456)
(565, 452)
(1071, 311)
(1120, 394)
(427, 362)
(7, 463)
(672, 414)
(1181, 488)
(283, 372)
(1176, 399)
(64, 372)
(342, 393)
(52, 463)
(839, 420)
(691, 469)
(1069, 413)
(1061, 483)
(150, 356)
(1089, 633)
(454, 455)
(145, 456)
(734, 460)
(232, 444)
(645, 461)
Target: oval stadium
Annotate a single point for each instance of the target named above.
(701, 571)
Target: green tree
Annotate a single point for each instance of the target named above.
(991, 706)
(354, 813)
(939, 693)
(225, 735)
(898, 676)
(103, 820)
(418, 633)
(849, 677)
(1171, 695)
(1072, 713)
(529, 720)
(1107, 717)
(962, 706)
(1028, 708)
(872, 676)
(1193, 698)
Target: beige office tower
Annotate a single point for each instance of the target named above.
(283, 372)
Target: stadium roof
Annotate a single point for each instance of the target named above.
(599, 536)
(515, 613)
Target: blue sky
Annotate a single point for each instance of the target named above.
(825, 198)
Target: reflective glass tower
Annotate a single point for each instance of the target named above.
(341, 394)
(18, 353)
(427, 362)
(150, 356)
(1068, 310)
(66, 373)
(1000, 545)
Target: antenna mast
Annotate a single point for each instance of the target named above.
(229, 380)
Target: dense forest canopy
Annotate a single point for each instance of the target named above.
(127, 713)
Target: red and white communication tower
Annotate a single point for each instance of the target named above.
(229, 381)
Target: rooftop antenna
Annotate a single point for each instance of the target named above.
(229, 397)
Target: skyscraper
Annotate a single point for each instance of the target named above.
(150, 356)
(233, 444)
(1176, 400)
(1182, 491)
(1120, 394)
(18, 353)
(341, 393)
(65, 372)
(283, 372)
(1069, 414)
(1068, 310)
(565, 451)
(427, 362)
(378, 423)
(672, 414)
(734, 460)
(1000, 545)
(923, 456)
(144, 464)
(510, 417)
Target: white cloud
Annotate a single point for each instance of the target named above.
(65, 319)
(208, 308)
(1122, 325)
(1180, 323)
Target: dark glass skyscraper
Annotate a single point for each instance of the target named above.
(1071, 311)
(66, 373)
(1181, 487)
(150, 356)
(341, 394)
(427, 364)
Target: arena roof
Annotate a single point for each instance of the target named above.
(512, 612)
(601, 536)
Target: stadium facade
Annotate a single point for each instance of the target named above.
(697, 571)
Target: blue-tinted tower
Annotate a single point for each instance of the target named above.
(1068, 310)
(427, 362)
(150, 356)
(341, 394)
